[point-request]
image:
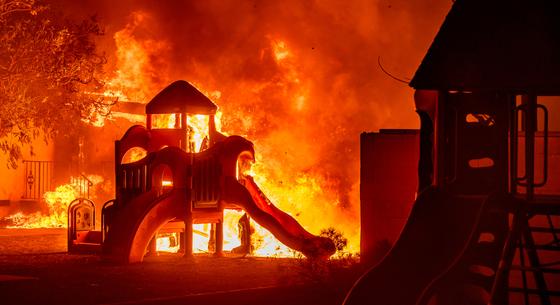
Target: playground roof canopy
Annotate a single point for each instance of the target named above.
(181, 97)
(495, 44)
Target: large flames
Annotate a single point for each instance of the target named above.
(294, 198)
(197, 131)
(301, 87)
(290, 167)
(57, 202)
(197, 127)
(262, 242)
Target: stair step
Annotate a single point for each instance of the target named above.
(544, 205)
(532, 269)
(543, 247)
(552, 293)
(544, 229)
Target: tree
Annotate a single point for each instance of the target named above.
(49, 68)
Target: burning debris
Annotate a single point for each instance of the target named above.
(57, 203)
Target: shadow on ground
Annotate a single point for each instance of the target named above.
(46, 275)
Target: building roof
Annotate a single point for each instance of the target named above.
(495, 44)
(181, 97)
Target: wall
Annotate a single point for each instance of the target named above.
(13, 181)
(388, 184)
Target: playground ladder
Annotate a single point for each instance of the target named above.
(531, 250)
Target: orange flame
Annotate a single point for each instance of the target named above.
(133, 74)
(57, 203)
(291, 176)
(198, 131)
(134, 154)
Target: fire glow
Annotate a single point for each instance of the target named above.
(262, 241)
(303, 194)
(57, 202)
(289, 91)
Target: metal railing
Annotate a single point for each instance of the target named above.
(38, 178)
(84, 184)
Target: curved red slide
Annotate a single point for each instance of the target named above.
(437, 232)
(283, 226)
(135, 224)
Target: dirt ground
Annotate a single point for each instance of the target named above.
(35, 269)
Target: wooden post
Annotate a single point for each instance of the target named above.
(219, 239)
(530, 130)
(188, 236)
(185, 140)
(182, 241)
(188, 220)
(530, 125)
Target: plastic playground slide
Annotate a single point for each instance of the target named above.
(283, 226)
(436, 234)
(138, 221)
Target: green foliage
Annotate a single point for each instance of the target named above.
(48, 68)
(328, 271)
(340, 242)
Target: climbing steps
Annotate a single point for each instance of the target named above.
(534, 267)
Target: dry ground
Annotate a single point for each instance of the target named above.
(51, 276)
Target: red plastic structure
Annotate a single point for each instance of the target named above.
(178, 184)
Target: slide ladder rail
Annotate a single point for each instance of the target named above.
(532, 250)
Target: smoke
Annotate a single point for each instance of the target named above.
(299, 78)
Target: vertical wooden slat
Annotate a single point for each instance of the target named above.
(206, 182)
(25, 179)
(530, 129)
(35, 191)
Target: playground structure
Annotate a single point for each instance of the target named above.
(484, 226)
(175, 172)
